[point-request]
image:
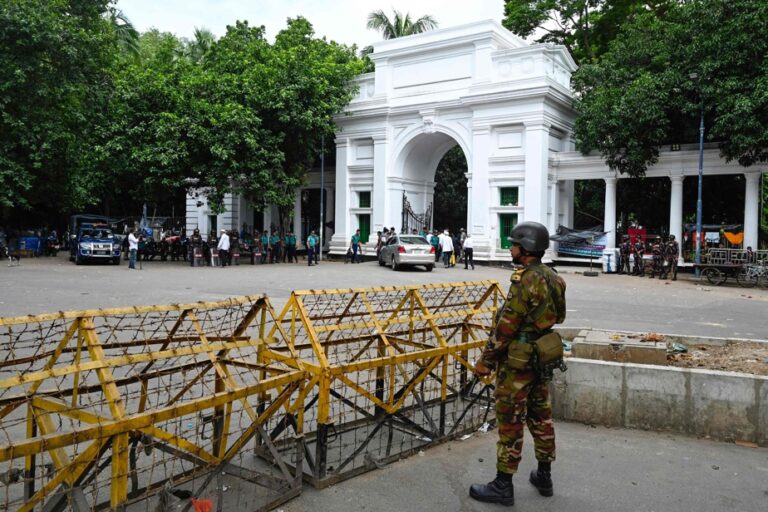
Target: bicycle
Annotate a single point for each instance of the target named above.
(751, 275)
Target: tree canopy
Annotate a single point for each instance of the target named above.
(97, 115)
(641, 95)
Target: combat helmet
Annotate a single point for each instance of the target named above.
(531, 236)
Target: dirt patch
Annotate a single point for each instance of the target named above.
(743, 357)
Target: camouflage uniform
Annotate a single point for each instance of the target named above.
(638, 251)
(624, 251)
(671, 253)
(657, 249)
(535, 302)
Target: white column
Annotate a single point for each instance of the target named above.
(483, 231)
(297, 214)
(609, 219)
(342, 195)
(751, 209)
(676, 210)
(468, 176)
(536, 172)
(381, 216)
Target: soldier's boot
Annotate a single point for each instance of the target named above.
(542, 480)
(500, 490)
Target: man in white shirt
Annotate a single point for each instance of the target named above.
(468, 246)
(223, 248)
(447, 244)
(133, 247)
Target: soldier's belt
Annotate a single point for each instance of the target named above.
(529, 337)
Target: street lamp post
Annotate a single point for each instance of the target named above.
(695, 76)
(322, 195)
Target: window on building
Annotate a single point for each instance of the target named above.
(364, 223)
(364, 199)
(507, 222)
(213, 224)
(508, 196)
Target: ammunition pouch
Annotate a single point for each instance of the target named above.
(548, 355)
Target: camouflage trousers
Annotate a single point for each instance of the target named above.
(522, 399)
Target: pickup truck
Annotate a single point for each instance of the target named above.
(95, 242)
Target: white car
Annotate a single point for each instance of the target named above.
(401, 250)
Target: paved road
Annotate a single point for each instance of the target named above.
(686, 306)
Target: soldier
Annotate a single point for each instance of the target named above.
(535, 302)
(234, 247)
(657, 250)
(624, 251)
(195, 249)
(638, 251)
(671, 253)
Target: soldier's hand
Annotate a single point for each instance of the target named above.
(481, 370)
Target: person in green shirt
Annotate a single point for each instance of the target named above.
(290, 247)
(356, 246)
(312, 241)
(274, 243)
(264, 246)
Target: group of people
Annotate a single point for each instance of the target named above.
(664, 256)
(224, 250)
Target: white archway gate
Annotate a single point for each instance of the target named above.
(507, 104)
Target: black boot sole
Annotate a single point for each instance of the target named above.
(507, 502)
(544, 491)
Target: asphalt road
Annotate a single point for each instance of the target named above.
(687, 306)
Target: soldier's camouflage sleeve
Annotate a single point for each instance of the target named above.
(524, 294)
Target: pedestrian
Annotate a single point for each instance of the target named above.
(657, 251)
(355, 245)
(223, 247)
(290, 246)
(133, 248)
(311, 244)
(462, 236)
(379, 242)
(265, 250)
(638, 251)
(535, 302)
(274, 244)
(468, 252)
(435, 242)
(446, 244)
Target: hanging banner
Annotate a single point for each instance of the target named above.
(592, 249)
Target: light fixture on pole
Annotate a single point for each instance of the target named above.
(695, 76)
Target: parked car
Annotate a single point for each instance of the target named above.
(401, 250)
(95, 242)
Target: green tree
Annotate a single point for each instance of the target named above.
(584, 27)
(450, 201)
(55, 57)
(197, 49)
(127, 35)
(400, 25)
(640, 96)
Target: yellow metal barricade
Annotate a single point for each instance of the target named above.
(390, 369)
(147, 408)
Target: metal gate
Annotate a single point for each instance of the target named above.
(421, 222)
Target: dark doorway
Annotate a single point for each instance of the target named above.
(450, 200)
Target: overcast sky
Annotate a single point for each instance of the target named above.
(340, 20)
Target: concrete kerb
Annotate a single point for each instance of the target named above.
(725, 406)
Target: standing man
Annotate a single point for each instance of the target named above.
(447, 245)
(274, 244)
(639, 250)
(223, 247)
(624, 252)
(133, 247)
(355, 246)
(535, 302)
(468, 250)
(265, 249)
(657, 250)
(290, 247)
(462, 236)
(312, 241)
(671, 253)
(435, 242)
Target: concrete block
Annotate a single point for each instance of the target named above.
(724, 405)
(590, 392)
(623, 351)
(656, 398)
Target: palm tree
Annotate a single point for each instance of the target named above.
(399, 26)
(198, 48)
(127, 35)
